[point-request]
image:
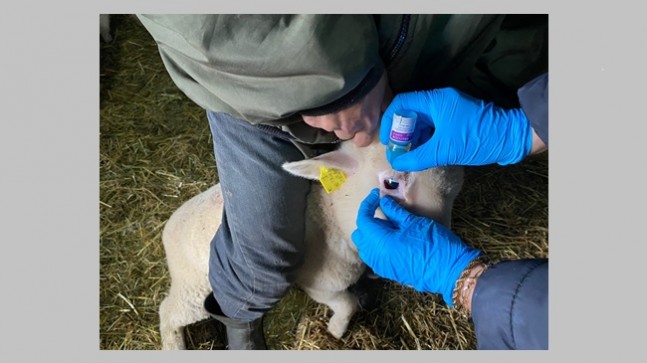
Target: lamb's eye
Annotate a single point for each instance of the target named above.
(391, 183)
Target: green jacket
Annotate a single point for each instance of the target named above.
(269, 69)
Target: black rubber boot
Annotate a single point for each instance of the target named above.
(241, 335)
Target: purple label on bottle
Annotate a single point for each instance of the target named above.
(400, 136)
(402, 128)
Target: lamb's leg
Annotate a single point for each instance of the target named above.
(179, 309)
(186, 239)
(343, 304)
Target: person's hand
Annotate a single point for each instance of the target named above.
(361, 120)
(409, 249)
(466, 131)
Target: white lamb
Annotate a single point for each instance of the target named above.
(331, 262)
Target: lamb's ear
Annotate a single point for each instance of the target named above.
(310, 168)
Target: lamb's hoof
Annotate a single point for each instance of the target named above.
(367, 289)
(337, 327)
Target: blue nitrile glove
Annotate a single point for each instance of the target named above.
(468, 131)
(411, 250)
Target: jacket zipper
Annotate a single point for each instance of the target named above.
(402, 36)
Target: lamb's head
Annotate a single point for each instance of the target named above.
(429, 193)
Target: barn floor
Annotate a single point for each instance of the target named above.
(155, 153)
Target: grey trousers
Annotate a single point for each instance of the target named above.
(259, 245)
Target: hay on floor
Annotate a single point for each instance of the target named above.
(155, 153)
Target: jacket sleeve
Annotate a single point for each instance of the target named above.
(510, 306)
(268, 67)
(533, 97)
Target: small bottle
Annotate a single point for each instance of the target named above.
(401, 135)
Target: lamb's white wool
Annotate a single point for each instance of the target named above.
(331, 262)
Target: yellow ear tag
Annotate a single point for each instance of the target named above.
(331, 179)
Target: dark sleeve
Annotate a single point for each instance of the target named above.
(510, 306)
(533, 97)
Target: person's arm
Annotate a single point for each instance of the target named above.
(533, 97)
(538, 144)
(468, 131)
(509, 305)
(262, 68)
(507, 301)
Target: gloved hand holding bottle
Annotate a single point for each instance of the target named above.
(466, 131)
(409, 249)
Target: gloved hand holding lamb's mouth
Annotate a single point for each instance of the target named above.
(412, 250)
